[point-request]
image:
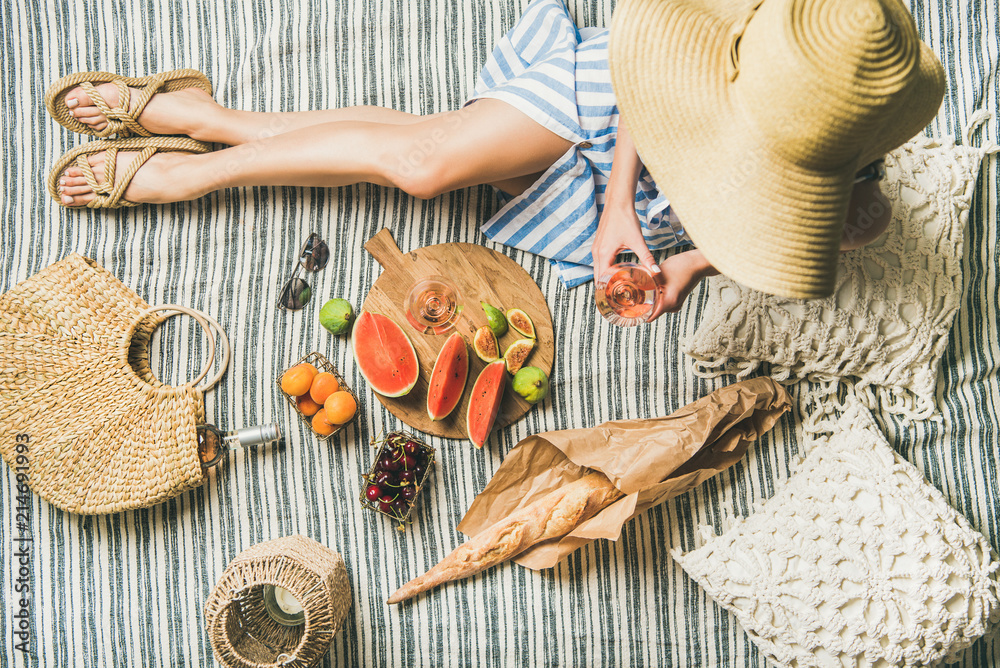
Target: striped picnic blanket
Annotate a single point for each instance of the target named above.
(129, 589)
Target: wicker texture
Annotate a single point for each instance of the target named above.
(102, 434)
(123, 117)
(242, 633)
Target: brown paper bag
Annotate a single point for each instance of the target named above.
(649, 460)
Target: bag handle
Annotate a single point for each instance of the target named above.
(210, 326)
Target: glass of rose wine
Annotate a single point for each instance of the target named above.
(433, 305)
(626, 294)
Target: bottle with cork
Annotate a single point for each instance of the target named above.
(213, 442)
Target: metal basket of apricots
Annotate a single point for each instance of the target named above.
(318, 393)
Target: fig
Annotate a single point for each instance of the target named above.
(521, 323)
(495, 319)
(531, 383)
(517, 353)
(336, 316)
(485, 344)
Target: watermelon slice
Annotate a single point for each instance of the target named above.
(384, 355)
(484, 404)
(447, 383)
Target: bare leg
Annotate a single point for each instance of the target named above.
(235, 127)
(487, 142)
(194, 113)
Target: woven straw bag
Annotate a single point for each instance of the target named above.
(242, 633)
(84, 422)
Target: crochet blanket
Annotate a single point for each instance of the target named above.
(129, 589)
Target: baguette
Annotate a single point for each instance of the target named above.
(552, 516)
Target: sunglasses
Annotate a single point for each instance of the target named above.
(295, 293)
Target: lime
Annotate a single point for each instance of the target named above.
(336, 316)
(495, 319)
(531, 383)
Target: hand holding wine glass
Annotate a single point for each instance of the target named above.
(628, 294)
(619, 231)
(679, 275)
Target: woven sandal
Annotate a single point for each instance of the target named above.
(109, 193)
(121, 121)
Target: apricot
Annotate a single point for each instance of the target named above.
(308, 368)
(306, 405)
(340, 407)
(297, 380)
(321, 425)
(323, 385)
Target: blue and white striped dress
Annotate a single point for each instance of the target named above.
(558, 75)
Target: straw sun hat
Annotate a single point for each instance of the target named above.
(754, 118)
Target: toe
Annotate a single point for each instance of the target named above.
(75, 190)
(90, 116)
(72, 181)
(73, 171)
(77, 200)
(77, 98)
(82, 106)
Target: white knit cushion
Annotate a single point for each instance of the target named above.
(887, 323)
(855, 561)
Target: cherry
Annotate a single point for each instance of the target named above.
(385, 503)
(401, 465)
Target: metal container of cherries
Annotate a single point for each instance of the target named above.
(402, 466)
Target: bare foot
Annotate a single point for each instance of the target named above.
(175, 113)
(159, 180)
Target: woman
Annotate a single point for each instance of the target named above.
(542, 128)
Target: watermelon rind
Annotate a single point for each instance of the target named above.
(445, 357)
(496, 373)
(364, 363)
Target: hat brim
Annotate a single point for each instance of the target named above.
(759, 218)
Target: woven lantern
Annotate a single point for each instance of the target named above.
(243, 633)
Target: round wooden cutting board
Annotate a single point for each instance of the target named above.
(479, 274)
